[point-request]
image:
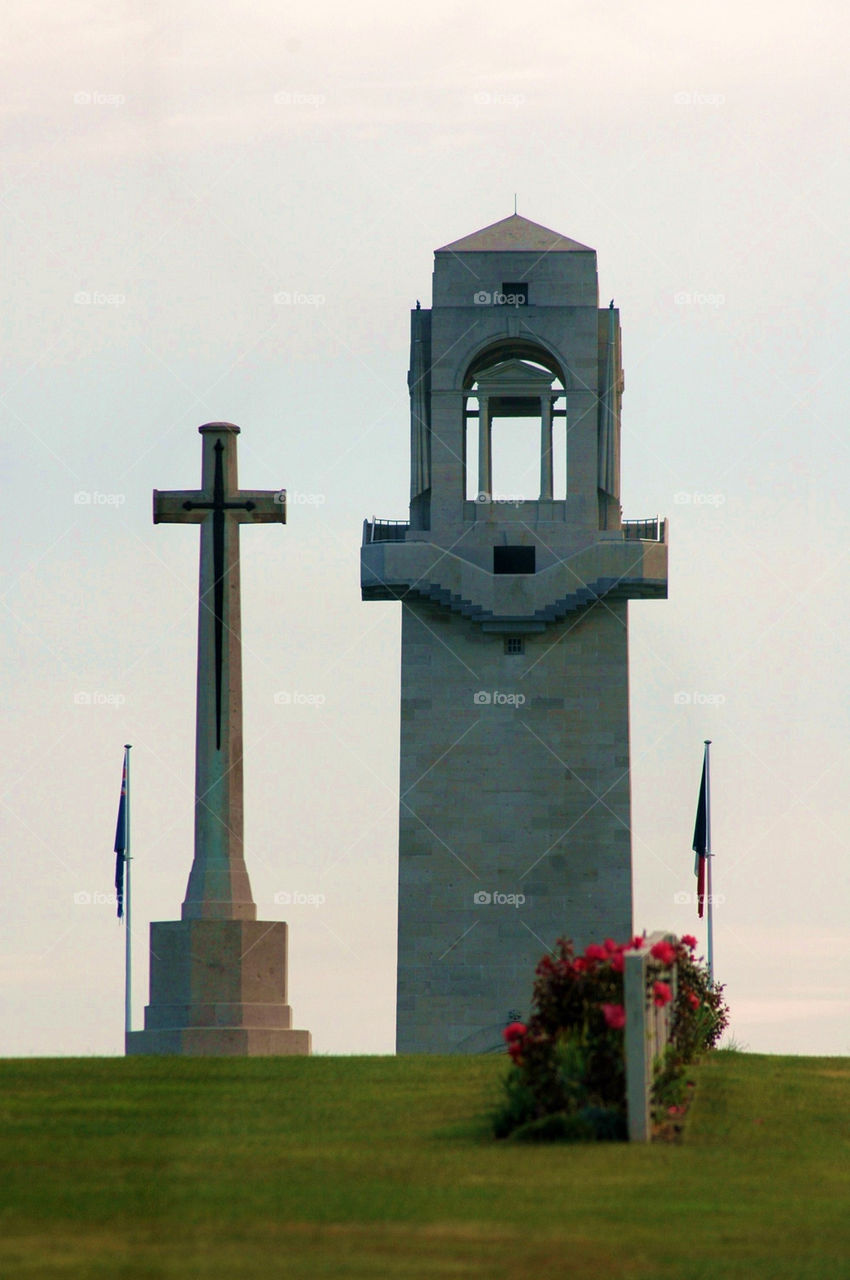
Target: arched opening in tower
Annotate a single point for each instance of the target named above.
(516, 445)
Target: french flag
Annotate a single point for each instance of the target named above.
(121, 841)
(700, 845)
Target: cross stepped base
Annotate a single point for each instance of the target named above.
(218, 988)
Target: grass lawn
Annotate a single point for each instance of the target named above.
(373, 1167)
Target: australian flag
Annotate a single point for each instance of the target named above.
(700, 845)
(121, 842)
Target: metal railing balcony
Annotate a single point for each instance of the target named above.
(652, 530)
(375, 530)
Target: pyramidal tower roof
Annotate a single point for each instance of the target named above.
(516, 234)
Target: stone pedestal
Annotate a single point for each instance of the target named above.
(218, 988)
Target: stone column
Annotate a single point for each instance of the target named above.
(485, 468)
(546, 447)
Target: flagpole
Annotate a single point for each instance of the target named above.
(128, 933)
(708, 856)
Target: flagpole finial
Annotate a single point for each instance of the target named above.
(707, 741)
(128, 746)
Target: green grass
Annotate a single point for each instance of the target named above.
(373, 1167)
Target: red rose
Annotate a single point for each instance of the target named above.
(514, 1031)
(615, 1016)
(693, 1000)
(664, 952)
(637, 942)
(581, 965)
(661, 994)
(595, 952)
(689, 940)
(610, 946)
(618, 963)
(515, 1050)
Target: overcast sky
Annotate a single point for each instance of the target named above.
(172, 172)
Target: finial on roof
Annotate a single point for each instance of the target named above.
(418, 305)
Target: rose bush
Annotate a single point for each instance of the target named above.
(567, 1073)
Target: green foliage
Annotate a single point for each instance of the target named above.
(670, 1087)
(588, 1124)
(698, 1028)
(568, 1064)
(518, 1108)
(700, 1016)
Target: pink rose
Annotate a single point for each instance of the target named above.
(595, 952)
(661, 994)
(689, 940)
(514, 1031)
(664, 952)
(615, 1016)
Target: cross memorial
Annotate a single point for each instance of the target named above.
(218, 975)
(218, 884)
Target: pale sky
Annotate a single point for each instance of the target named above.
(169, 170)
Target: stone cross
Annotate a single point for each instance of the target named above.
(219, 888)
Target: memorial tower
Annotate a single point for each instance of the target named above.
(514, 571)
